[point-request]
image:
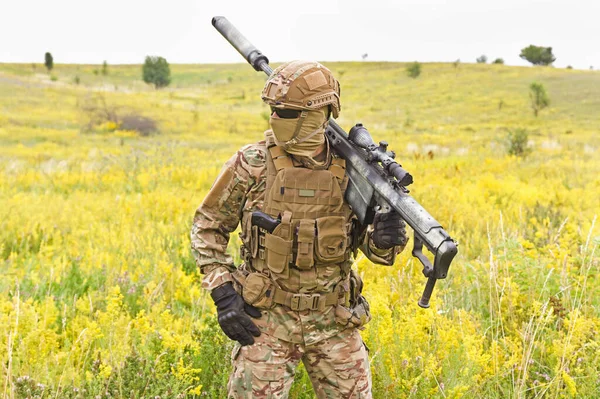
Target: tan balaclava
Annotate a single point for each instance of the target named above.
(301, 136)
(304, 93)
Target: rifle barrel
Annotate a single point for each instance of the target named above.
(258, 60)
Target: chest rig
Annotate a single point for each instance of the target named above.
(308, 253)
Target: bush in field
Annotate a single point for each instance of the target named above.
(414, 69)
(98, 112)
(105, 68)
(482, 59)
(517, 142)
(538, 55)
(156, 71)
(138, 123)
(102, 116)
(48, 61)
(539, 97)
(498, 61)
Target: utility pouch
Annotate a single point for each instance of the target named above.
(358, 313)
(356, 316)
(331, 239)
(305, 258)
(258, 291)
(279, 252)
(278, 246)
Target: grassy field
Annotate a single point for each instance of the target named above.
(99, 294)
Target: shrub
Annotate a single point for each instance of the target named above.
(138, 123)
(482, 59)
(517, 142)
(76, 79)
(102, 116)
(498, 61)
(539, 97)
(98, 112)
(104, 68)
(456, 63)
(414, 69)
(156, 71)
(569, 67)
(48, 61)
(53, 78)
(538, 55)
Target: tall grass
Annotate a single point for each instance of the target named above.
(100, 297)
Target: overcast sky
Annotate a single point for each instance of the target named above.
(125, 31)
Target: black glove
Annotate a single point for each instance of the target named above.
(389, 230)
(233, 314)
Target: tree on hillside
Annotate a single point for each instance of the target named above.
(498, 61)
(538, 96)
(156, 71)
(538, 55)
(48, 61)
(413, 69)
(482, 59)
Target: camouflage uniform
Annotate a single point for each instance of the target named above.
(326, 338)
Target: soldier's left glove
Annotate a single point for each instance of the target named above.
(389, 230)
(233, 313)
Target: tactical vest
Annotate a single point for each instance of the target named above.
(304, 262)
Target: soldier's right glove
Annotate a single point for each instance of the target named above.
(389, 230)
(233, 313)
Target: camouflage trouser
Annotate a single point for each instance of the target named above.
(338, 367)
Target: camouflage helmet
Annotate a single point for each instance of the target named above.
(302, 85)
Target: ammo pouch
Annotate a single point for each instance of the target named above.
(313, 242)
(332, 239)
(358, 313)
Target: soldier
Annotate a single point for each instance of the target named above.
(295, 297)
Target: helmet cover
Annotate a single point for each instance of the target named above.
(302, 85)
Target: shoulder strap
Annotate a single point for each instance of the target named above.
(338, 168)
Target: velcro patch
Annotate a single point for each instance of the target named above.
(306, 193)
(315, 79)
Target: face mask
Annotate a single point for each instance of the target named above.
(300, 136)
